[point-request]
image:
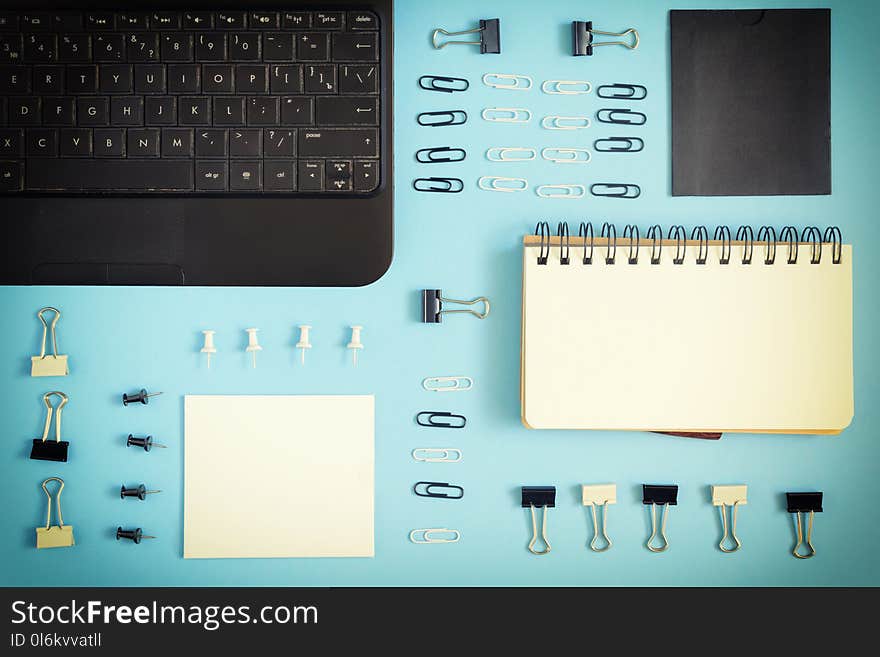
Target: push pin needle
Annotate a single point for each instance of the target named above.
(139, 492)
(143, 397)
(134, 535)
(146, 442)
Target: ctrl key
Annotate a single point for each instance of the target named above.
(211, 176)
(11, 176)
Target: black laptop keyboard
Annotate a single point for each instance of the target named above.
(237, 102)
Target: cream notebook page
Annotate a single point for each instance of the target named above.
(712, 347)
(278, 476)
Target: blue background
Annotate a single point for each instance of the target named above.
(468, 244)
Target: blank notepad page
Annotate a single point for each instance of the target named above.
(687, 347)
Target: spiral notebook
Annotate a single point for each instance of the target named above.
(683, 333)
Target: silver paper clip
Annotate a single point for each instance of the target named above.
(448, 383)
(507, 114)
(434, 535)
(502, 184)
(510, 154)
(509, 81)
(569, 191)
(732, 496)
(566, 87)
(53, 365)
(555, 122)
(489, 42)
(599, 495)
(437, 454)
(566, 155)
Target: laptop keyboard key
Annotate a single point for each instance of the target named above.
(347, 110)
(75, 142)
(118, 174)
(245, 175)
(211, 143)
(339, 142)
(278, 175)
(245, 143)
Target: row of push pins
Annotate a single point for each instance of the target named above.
(303, 344)
(732, 497)
(61, 535)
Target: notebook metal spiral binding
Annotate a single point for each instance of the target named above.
(788, 238)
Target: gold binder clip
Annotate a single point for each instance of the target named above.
(52, 536)
(49, 365)
(599, 495)
(544, 497)
(798, 503)
(731, 496)
(664, 496)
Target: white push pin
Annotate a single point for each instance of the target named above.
(355, 344)
(303, 343)
(209, 347)
(253, 345)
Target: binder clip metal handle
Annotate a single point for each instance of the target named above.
(58, 535)
(650, 544)
(731, 534)
(57, 410)
(489, 41)
(53, 364)
(432, 306)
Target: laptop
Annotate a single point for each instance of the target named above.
(234, 144)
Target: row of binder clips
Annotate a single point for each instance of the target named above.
(729, 498)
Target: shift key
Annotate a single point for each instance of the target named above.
(339, 142)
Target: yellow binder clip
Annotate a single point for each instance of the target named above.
(599, 495)
(52, 536)
(729, 496)
(54, 364)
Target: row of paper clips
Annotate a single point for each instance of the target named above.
(616, 115)
(515, 82)
(571, 191)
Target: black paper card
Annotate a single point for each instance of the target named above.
(751, 102)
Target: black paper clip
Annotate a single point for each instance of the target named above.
(616, 190)
(582, 38)
(433, 311)
(490, 37)
(620, 116)
(799, 503)
(427, 489)
(442, 83)
(440, 154)
(619, 145)
(664, 496)
(439, 185)
(620, 91)
(538, 497)
(48, 450)
(453, 422)
(432, 120)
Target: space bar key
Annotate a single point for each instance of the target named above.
(109, 175)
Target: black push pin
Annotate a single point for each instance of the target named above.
(140, 492)
(145, 442)
(135, 535)
(143, 397)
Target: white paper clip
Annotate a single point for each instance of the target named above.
(507, 114)
(512, 82)
(437, 454)
(732, 496)
(253, 344)
(511, 154)
(502, 184)
(566, 155)
(566, 87)
(599, 495)
(208, 347)
(448, 383)
(555, 122)
(434, 535)
(52, 365)
(561, 191)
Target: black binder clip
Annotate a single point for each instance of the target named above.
(534, 497)
(440, 154)
(616, 190)
(438, 489)
(799, 503)
(664, 496)
(432, 306)
(620, 91)
(619, 145)
(438, 185)
(490, 37)
(47, 450)
(620, 116)
(582, 38)
(443, 84)
(429, 419)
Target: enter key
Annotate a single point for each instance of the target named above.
(347, 110)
